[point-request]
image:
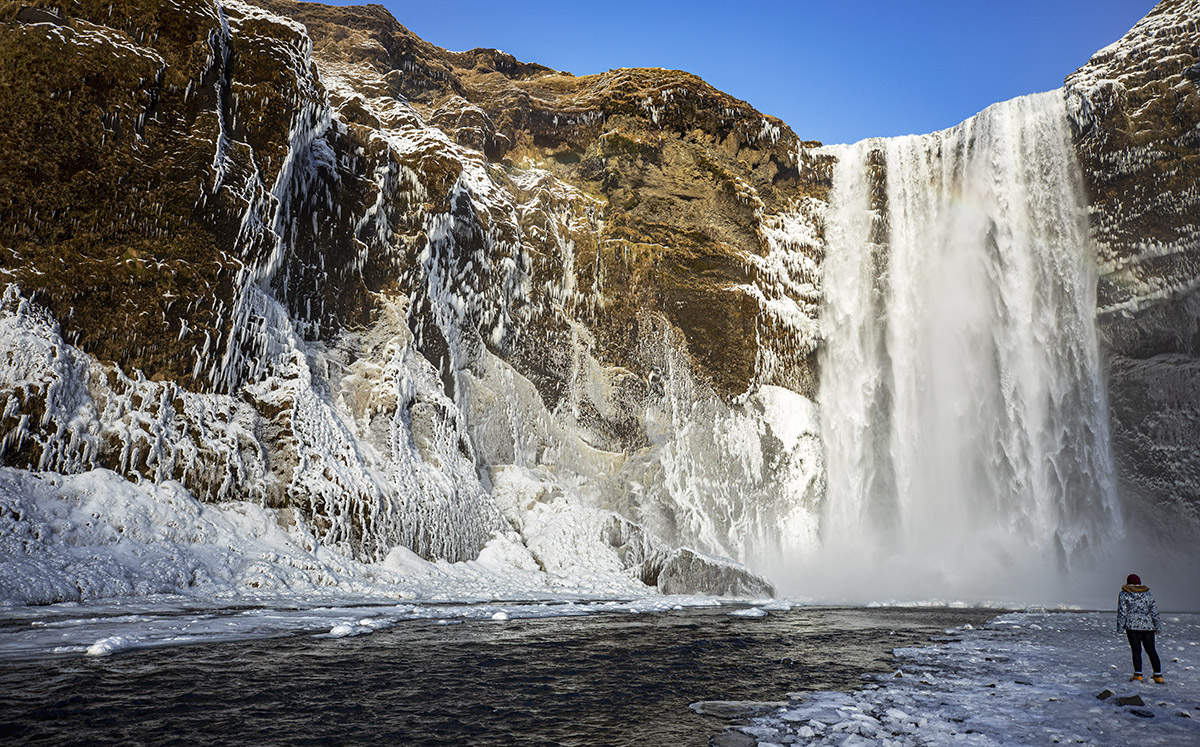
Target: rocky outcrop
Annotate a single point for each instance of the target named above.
(1136, 112)
(685, 571)
(677, 189)
(347, 251)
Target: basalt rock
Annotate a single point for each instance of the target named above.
(1135, 108)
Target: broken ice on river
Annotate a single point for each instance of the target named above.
(1026, 678)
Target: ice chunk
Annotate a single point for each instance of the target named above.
(106, 646)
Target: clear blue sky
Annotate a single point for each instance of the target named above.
(836, 71)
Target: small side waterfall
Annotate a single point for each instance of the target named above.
(963, 409)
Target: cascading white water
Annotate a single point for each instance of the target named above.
(962, 404)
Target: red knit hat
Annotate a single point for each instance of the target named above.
(1133, 579)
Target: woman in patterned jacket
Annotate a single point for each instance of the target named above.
(1137, 615)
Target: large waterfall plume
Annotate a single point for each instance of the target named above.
(962, 402)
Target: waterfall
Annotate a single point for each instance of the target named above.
(962, 402)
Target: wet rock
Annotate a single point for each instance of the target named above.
(730, 709)
(1105, 694)
(1131, 700)
(732, 738)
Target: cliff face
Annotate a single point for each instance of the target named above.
(1135, 108)
(297, 255)
(675, 187)
(294, 254)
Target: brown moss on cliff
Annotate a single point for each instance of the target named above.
(116, 210)
(1136, 110)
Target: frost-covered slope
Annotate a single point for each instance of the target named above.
(1024, 678)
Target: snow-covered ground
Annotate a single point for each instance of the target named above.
(1028, 678)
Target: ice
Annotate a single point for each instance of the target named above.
(749, 612)
(345, 630)
(106, 646)
(776, 605)
(114, 626)
(96, 536)
(1024, 678)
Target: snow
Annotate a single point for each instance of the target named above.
(106, 646)
(1025, 678)
(95, 535)
(95, 564)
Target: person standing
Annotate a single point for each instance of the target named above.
(1137, 616)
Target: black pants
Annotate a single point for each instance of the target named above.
(1138, 639)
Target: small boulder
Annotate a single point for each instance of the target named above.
(687, 571)
(731, 738)
(1142, 712)
(1105, 694)
(1131, 700)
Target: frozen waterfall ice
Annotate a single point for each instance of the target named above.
(962, 402)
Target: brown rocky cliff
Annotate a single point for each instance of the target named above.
(142, 143)
(221, 160)
(683, 175)
(1136, 111)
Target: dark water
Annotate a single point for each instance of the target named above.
(611, 679)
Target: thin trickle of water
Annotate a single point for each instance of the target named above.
(963, 410)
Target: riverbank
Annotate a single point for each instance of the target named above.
(1025, 678)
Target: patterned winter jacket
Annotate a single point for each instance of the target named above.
(1136, 609)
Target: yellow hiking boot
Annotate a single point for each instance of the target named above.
(1158, 679)
(1136, 678)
